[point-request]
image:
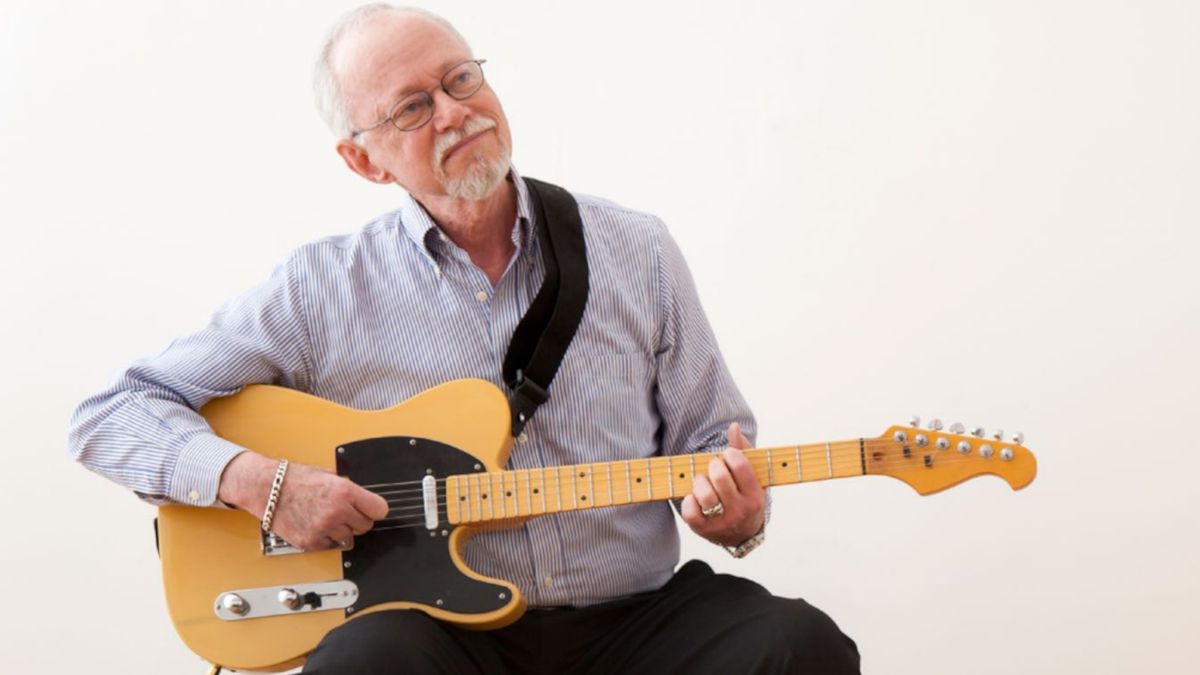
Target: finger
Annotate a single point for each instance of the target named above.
(743, 473)
(370, 504)
(690, 510)
(705, 494)
(357, 522)
(736, 439)
(339, 534)
(722, 480)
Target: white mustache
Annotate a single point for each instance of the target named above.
(449, 138)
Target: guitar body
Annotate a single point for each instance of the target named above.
(460, 427)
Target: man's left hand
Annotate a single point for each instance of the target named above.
(732, 485)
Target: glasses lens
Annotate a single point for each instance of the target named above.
(413, 111)
(463, 80)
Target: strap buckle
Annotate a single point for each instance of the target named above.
(527, 396)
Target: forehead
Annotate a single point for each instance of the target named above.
(393, 54)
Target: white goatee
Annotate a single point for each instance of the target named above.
(482, 176)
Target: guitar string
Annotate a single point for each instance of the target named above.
(399, 511)
(786, 453)
(658, 470)
(565, 488)
(809, 449)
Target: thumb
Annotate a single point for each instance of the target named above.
(370, 504)
(736, 439)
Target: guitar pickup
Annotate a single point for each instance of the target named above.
(430, 497)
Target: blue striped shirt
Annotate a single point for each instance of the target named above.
(369, 319)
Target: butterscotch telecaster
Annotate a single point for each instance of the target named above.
(244, 599)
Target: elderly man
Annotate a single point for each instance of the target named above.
(432, 292)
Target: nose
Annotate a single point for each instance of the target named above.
(448, 112)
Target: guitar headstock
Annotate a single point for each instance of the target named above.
(933, 459)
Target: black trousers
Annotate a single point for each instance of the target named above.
(699, 622)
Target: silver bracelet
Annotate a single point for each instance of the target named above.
(269, 513)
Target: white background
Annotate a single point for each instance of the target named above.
(984, 211)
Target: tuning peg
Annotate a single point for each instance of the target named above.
(999, 435)
(914, 421)
(935, 424)
(956, 428)
(1019, 438)
(977, 432)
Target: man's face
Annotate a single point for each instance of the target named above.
(465, 144)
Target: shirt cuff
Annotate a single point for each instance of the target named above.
(198, 469)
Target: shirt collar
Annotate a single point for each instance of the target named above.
(420, 228)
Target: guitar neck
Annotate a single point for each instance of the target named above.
(501, 495)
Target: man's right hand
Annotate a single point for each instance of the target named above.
(317, 509)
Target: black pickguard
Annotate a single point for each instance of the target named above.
(408, 564)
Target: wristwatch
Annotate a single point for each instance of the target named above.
(743, 549)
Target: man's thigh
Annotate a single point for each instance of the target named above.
(401, 642)
(702, 622)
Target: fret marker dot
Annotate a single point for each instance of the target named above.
(507, 494)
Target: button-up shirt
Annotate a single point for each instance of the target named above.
(369, 319)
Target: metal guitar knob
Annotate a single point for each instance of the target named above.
(291, 599)
(234, 603)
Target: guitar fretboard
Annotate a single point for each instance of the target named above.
(500, 495)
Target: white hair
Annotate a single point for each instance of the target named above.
(326, 88)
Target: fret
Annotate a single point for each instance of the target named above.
(610, 494)
(649, 483)
(670, 478)
(542, 488)
(693, 462)
(591, 472)
(628, 484)
(770, 468)
(799, 471)
(484, 491)
(558, 480)
(503, 509)
(476, 507)
(829, 458)
(451, 501)
(528, 491)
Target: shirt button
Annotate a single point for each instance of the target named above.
(548, 581)
(481, 296)
(194, 495)
(523, 437)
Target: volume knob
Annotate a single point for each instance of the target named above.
(291, 599)
(235, 604)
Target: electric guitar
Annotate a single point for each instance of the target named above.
(242, 598)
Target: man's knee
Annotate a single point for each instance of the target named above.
(383, 642)
(809, 638)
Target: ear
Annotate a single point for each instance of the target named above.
(359, 161)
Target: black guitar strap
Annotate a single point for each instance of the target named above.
(544, 333)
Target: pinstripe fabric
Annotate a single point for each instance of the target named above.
(369, 319)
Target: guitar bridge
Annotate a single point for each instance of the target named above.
(273, 544)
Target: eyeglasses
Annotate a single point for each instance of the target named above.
(415, 110)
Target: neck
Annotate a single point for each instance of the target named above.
(482, 228)
(500, 495)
